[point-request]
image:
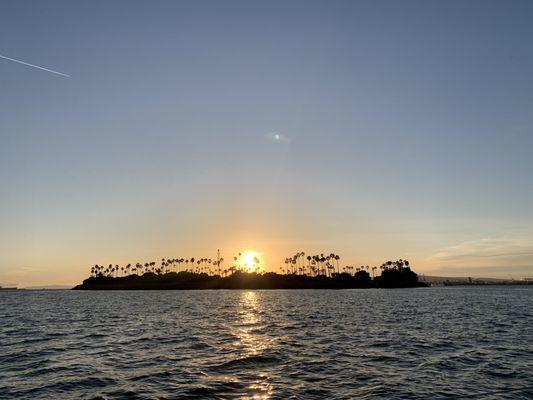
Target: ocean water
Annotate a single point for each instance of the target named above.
(426, 343)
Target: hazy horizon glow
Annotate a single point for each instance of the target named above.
(372, 129)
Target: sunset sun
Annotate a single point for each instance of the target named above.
(250, 260)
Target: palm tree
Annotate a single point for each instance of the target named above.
(323, 261)
(256, 264)
(337, 258)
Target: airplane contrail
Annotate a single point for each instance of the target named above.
(35, 66)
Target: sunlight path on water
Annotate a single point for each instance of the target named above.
(251, 344)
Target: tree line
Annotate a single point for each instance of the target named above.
(322, 264)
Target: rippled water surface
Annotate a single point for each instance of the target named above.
(368, 344)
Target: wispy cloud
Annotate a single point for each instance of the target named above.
(485, 248)
(501, 255)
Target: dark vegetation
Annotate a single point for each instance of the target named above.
(320, 272)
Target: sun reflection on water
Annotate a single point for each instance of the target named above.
(253, 343)
(250, 343)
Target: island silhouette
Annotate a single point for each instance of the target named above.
(300, 272)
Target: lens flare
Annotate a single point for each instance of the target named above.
(277, 137)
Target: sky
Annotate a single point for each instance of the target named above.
(405, 131)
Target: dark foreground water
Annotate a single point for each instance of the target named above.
(359, 344)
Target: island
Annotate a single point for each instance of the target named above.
(396, 274)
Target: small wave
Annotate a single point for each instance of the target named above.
(95, 336)
(250, 361)
(67, 386)
(502, 374)
(200, 392)
(200, 346)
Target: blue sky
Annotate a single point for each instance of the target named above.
(408, 127)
